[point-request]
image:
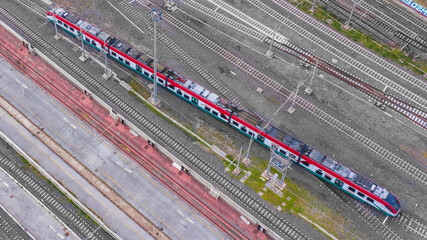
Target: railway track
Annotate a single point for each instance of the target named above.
(322, 115)
(367, 25)
(419, 101)
(368, 214)
(404, 14)
(83, 227)
(268, 217)
(415, 115)
(373, 20)
(187, 59)
(9, 229)
(411, 224)
(372, 216)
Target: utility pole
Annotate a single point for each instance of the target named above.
(308, 89)
(269, 53)
(156, 16)
(107, 73)
(83, 58)
(57, 36)
(351, 14)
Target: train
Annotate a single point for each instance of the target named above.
(322, 166)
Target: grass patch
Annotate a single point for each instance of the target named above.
(419, 67)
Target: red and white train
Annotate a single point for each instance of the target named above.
(305, 156)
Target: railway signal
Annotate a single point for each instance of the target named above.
(156, 16)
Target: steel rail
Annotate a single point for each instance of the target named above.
(413, 114)
(404, 14)
(268, 217)
(387, 155)
(389, 25)
(74, 220)
(9, 229)
(369, 214)
(420, 101)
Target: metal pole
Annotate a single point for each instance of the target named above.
(54, 23)
(106, 59)
(249, 147)
(83, 46)
(157, 16)
(314, 71)
(155, 62)
(312, 6)
(351, 14)
(238, 160)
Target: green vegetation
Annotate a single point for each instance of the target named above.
(53, 188)
(417, 66)
(295, 199)
(140, 90)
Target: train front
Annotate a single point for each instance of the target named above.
(394, 204)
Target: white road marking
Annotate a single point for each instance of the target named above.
(119, 164)
(7, 185)
(233, 73)
(128, 170)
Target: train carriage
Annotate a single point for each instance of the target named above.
(248, 124)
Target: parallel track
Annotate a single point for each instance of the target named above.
(369, 214)
(253, 205)
(401, 164)
(420, 101)
(371, 22)
(404, 14)
(187, 59)
(9, 229)
(79, 224)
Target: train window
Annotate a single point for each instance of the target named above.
(251, 133)
(292, 156)
(179, 91)
(223, 116)
(235, 123)
(160, 80)
(215, 112)
(360, 194)
(282, 152)
(243, 128)
(121, 59)
(351, 189)
(171, 87)
(65, 25)
(207, 108)
(328, 177)
(72, 29)
(114, 54)
(59, 22)
(145, 73)
(87, 39)
(187, 97)
(305, 163)
(152, 76)
(94, 43)
(370, 199)
(127, 62)
(318, 171)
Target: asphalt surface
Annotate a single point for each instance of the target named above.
(177, 219)
(28, 211)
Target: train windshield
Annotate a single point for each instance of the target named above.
(392, 200)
